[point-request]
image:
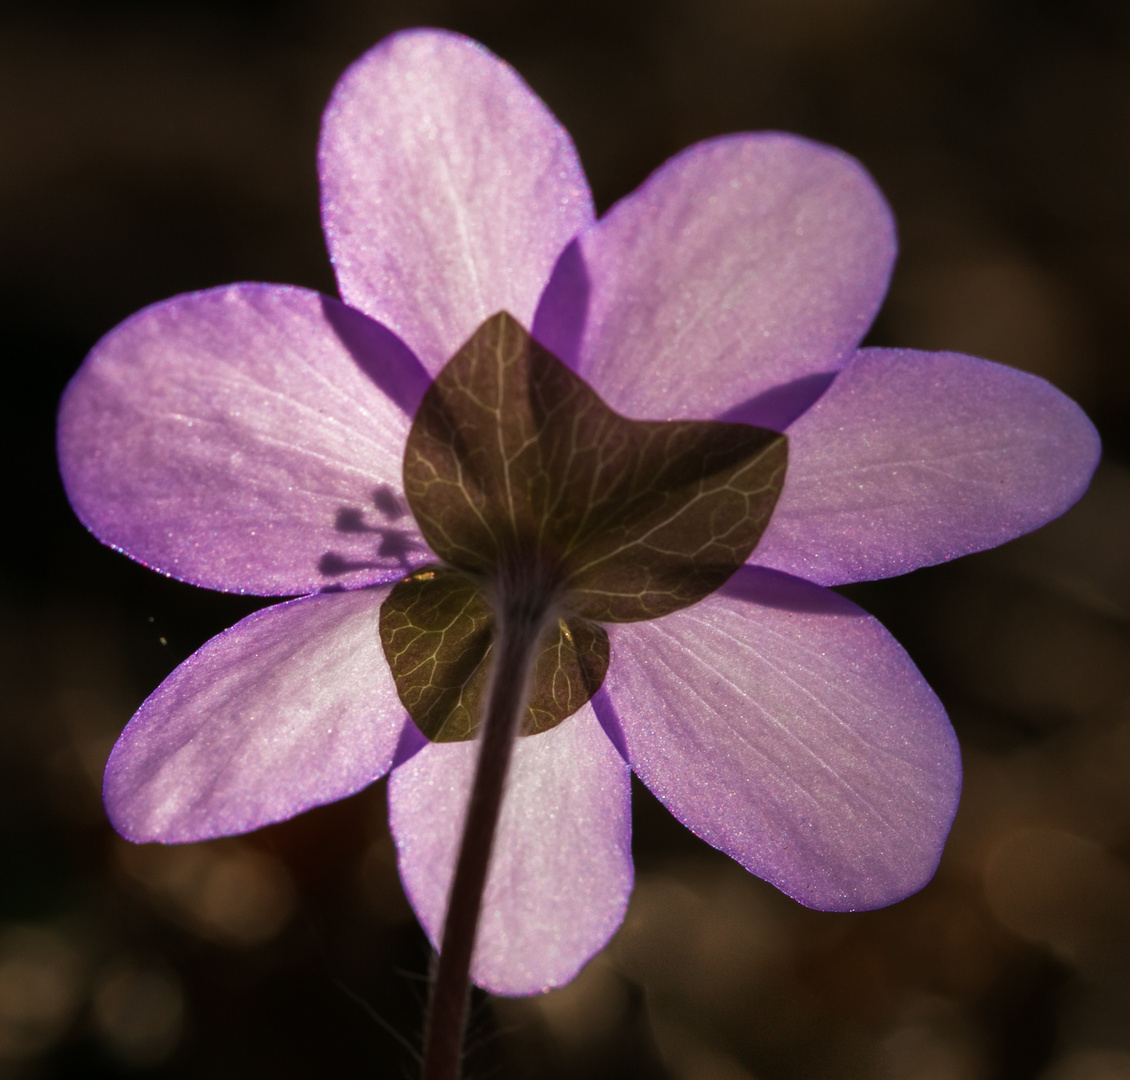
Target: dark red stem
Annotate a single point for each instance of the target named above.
(447, 1005)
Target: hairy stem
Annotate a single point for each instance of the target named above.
(447, 1006)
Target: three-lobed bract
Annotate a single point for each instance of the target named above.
(537, 495)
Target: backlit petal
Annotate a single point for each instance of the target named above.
(734, 280)
(248, 438)
(561, 870)
(786, 727)
(448, 189)
(913, 458)
(292, 707)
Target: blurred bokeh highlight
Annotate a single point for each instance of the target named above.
(149, 148)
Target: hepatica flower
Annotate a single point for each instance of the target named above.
(652, 435)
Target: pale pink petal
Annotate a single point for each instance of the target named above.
(744, 264)
(292, 707)
(448, 189)
(248, 438)
(786, 727)
(914, 458)
(561, 870)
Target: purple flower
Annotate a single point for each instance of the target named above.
(250, 438)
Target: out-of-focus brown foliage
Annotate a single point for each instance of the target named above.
(150, 148)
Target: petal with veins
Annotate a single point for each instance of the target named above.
(248, 438)
(561, 869)
(786, 727)
(913, 458)
(448, 189)
(744, 265)
(292, 707)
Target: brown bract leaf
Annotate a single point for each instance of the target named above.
(569, 669)
(514, 461)
(541, 497)
(436, 632)
(436, 629)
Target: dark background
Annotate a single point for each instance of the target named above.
(150, 148)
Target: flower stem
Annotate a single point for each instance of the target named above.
(447, 1006)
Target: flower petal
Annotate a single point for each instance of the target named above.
(248, 438)
(292, 707)
(561, 871)
(913, 458)
(786, 727)
(448, 189)
(745, 264)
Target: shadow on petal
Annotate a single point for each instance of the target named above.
(412, 741)
(380, 354)
(774, 589)
(610, 721)
(562, 311)
(779, 406)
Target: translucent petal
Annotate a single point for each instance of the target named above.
(248, 438)
(448, 189)
(786, 727)
(743, 265)
(292, 707)
(561, 870)
(913, 458)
